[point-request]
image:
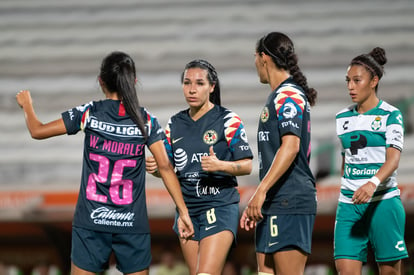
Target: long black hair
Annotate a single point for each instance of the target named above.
(119, 75)
(281, 49)
(211, 76)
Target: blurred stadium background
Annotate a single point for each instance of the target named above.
(54, 48)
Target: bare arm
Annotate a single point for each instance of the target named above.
(151, 166)
(283, 159)
(392, 159)
(37, 129)
(235, 168)
(173, 186)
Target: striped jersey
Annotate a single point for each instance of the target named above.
(287, 111)
(188, 141)
(112, 191)
(365, 139)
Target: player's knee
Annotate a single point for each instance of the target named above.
(203, 274)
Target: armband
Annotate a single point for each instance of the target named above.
(375, 181)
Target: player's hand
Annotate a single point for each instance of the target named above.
(364, 193)
(210, 163)
(151, 165)
(185, 227)
(245, 222)
(254, 206)
(23, 98)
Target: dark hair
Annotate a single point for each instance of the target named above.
(119, 75)
(211, 76)
(280, 48)
(373, 62)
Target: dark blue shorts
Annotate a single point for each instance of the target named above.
(284, 232)
(214, 221)
(91, 250)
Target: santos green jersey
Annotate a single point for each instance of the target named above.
(365, 139)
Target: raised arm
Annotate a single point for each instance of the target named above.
(37, 129)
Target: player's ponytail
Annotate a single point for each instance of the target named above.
(119, 75)
(281, 49)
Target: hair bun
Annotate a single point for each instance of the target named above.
(379, 55)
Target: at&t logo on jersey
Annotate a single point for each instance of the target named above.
(210, 137)
(180, 159)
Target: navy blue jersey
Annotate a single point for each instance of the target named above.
(287, 111)
(188, 140)
(112, 191)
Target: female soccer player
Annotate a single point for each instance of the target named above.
(208, 147)
(284, 204)
(369, 209)
(111, 210)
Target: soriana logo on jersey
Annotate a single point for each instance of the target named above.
(210, 137)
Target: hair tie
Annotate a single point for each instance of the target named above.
(358, 62)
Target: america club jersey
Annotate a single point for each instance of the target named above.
(287, 111)
(112, 191)
(365, 139)
(188, 140)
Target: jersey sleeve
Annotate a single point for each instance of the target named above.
(155, 131)
(395, 130)
(167, 141)
(290, 106)
(76, 118)
(236, 137)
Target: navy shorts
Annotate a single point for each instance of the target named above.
(284, 232)
(213, 221)
(91, 250)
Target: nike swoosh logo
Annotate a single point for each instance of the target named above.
(210, 227)
(177, 139)
(272, 244)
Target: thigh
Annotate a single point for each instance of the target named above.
(190, 249)
(90, 249)
(265, 263)
(284, 232)
(290, 262)
(387, 230)
(132, 252)
(348, 266)
(213, 252)
(350, 233)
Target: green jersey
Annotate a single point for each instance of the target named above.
(365, 139)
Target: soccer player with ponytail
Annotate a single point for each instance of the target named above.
(111, 214)
(283, 208)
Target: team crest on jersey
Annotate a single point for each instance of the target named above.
(264, 116)
(210, 137)
(376, 124)
(289, 110)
